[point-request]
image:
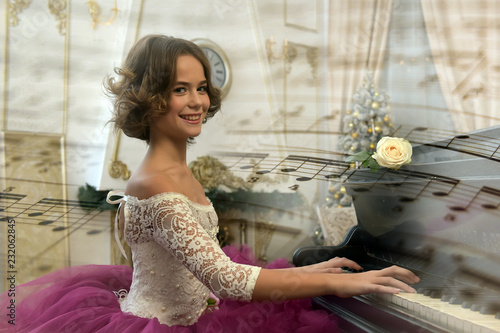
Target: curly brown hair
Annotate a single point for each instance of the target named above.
(146, 79)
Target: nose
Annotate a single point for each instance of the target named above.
(195, 100)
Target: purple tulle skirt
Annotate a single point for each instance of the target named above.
(81, 299)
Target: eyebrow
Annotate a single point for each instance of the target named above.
(188, 83)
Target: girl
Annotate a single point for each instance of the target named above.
(163, 95)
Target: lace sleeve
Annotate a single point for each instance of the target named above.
(178, 230)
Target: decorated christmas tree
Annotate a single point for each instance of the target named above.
(365, 123)
(368, 119)
(337, 196)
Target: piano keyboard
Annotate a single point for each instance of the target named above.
(451, 317)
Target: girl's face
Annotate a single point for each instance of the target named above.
(189, 102)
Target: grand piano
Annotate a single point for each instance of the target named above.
(440, 218)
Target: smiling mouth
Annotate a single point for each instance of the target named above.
(191, 117)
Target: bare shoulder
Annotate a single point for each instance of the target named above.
(148, 182)
(144, 186)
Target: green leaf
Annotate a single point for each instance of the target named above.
(359, 157)
(89, 194)
(373, 165)
(366, 160)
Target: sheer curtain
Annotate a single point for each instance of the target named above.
(357, 41)
(464, 36)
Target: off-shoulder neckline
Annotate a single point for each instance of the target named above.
(161, 195)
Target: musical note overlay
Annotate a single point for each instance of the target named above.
(43, 227)
(485, 144)
(303, 168)
(56, 214)
(410, 184)
(450, 196)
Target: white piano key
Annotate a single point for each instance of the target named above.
(436, 316)
(467, 326)
(451, 317)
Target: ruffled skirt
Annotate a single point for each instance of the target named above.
(83, 299)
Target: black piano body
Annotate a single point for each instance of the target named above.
(439, 217)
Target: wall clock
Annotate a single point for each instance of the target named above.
(221, 70)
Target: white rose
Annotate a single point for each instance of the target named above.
(393, 152)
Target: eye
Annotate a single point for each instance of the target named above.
(203, 88)
(179, 90)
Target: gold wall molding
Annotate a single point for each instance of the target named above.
(296, 19)
(95, 14)
(288, 54)
(312, 56)
(263, 233)
(59, 8)
(116, 168)
(34, 170)
(292, 52)
(15, 8)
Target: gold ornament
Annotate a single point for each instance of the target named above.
(354, 135)
(211, 173)
(372, 145)
(336, 196)
(119, 169)
(356, 113)
(370, 130)
(351, 125)
(95, 14)
(342, 190)
(376, 93)
(386, 118)
(378, 129)
(348, 112)
(375, 105)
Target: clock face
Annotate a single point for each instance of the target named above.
(221, 71)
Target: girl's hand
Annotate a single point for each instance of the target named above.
(389, 280)
(333, 265)
(326, 278)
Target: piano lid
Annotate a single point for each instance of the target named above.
(441, 213)
(434, 146)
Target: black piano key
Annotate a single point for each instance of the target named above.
(350, 270)
(470, 298)
(370, 267)
(467, 304)
(490, 308)
(476, 307)
(446, 297)
(431, 292)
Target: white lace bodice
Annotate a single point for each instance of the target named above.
(178, 261)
